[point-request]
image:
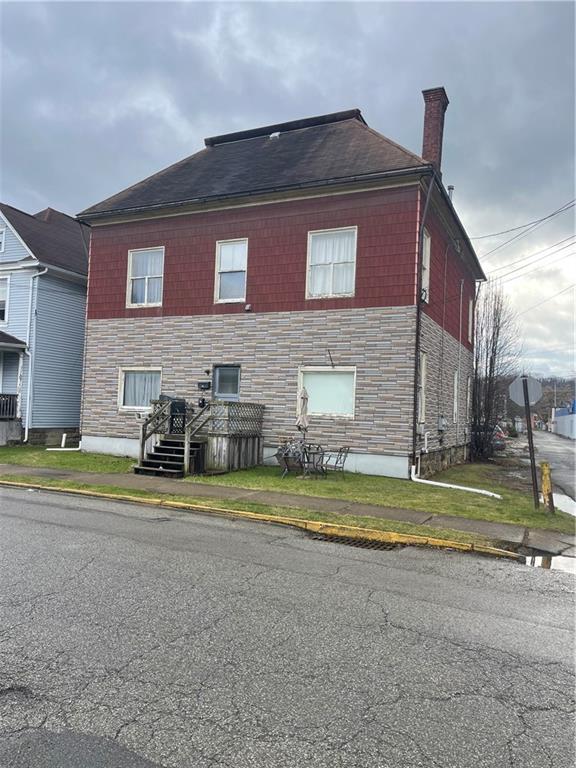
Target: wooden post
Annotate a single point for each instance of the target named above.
(186, 447)
(142, 442)
(530, 442)
(546, 480)
(546, 562)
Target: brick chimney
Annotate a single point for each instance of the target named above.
(436, 102)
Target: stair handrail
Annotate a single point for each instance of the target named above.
(191, 428)
(153, 423)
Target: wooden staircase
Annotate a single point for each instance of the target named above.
(167, 458)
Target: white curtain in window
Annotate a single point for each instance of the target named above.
(233, 256)
(140, 387)
(147, 263)
(332, 257)
(330, 392)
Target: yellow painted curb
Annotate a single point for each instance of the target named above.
(314, 526)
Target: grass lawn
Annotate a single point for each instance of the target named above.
(375, 523)
(515, 507)
(31, 456)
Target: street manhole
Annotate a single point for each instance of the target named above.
(351, 542)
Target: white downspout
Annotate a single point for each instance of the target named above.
(31, 355)
(416, 479)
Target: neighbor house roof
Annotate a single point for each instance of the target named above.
(301, 153)
(11, 341)
(54, 238)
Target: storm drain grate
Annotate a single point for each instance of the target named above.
(351, 542)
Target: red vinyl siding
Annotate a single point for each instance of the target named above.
(277, 251)
(444, 305)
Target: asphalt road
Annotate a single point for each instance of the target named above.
(132, 638)
(561, 453)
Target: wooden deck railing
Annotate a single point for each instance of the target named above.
(8, 407)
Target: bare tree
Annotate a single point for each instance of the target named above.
(496, 354)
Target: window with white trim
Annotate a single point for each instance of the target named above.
(145, 277)
(331, 391)
(227, 382)
(2, 239)
(422, 374)
(455, 397)
(468, 397)
(425, 276)
(331, 263)
(137, 387)
(470, 319)
(231, 268)
(4, 299)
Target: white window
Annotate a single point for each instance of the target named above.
(4, 299)
(227, 382)
(231, 267)
(455, 397)
(470, 319)
(425, 282)
(331, 263)
(145, 277)
(468, 397)
(2, 239)
(422, 373)
(331, 391)
(137, 387)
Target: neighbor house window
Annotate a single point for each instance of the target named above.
(145, 277)
(331, 262)
(425, 283)
(231, 266)
(3, 299)
(138, 386)
(455, 397)
(2, 239)
(470, 319)
(422, 373)
(331, 391)
(227, 382)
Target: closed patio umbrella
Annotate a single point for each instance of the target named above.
(302, 419)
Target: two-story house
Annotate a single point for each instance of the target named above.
(315, 252)
(43, 272)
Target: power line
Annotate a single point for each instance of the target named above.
(531, 255)
(526, 231)
(523, 226)
(530, 271)
(547, 299)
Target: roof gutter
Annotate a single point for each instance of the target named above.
(87, 216)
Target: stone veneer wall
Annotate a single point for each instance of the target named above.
(269, 348)
(451, 446)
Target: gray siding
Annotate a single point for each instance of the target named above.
(58, 355)
(18, 301)
(13, 248)
(9, 370)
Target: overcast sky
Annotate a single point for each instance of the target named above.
(96, 96)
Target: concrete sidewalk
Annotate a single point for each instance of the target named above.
(550, 542)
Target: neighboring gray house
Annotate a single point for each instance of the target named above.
(43, 274)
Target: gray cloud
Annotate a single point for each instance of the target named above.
(96, 96)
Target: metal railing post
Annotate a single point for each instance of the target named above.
(186, 449)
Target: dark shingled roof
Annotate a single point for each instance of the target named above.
(54, 238)
(305, 152)
(12, 341)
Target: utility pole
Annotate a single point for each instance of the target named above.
(530, 442)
